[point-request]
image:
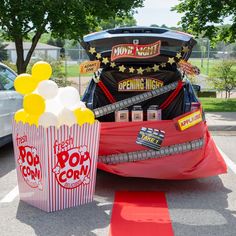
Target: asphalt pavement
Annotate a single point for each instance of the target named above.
(221, 121)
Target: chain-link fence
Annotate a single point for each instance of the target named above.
(66, 65)
(204, 60)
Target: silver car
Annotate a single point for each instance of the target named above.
(10, 102)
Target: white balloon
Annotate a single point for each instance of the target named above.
(48, 89)
(66, 117)
(35, 91)
(48, 119)
(53, 106)
(69, 96)
(79, 104)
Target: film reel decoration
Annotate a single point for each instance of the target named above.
(152, 154)
(105, 110)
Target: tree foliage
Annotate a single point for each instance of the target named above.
(223, 77)
(117, 22)
(206, 18)
(63, 18)
(3, 52)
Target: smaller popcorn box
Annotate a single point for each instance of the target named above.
(56, 167)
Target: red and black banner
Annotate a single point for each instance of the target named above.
(135, 51)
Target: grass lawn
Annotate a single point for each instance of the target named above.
(73, 71)
(197, 62)
(218, 104)
(212, 64)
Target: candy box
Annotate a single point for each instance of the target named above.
(56, 167)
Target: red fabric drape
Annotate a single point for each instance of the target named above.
(172, 96)
(120, 137)
(106, 92)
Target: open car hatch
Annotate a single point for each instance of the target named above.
(171, 42)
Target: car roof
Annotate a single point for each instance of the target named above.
(138, 31)
(5, 66)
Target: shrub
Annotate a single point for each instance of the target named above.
(207, 94)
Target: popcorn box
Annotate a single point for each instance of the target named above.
(56, 167)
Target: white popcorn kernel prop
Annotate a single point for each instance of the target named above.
(53, 106)
(66, 117)
(68, 96)
(48, 89)
(48, 119)
(79, 104)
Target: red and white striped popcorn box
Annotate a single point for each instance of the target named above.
(56, 167)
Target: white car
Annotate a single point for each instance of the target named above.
(10, 102)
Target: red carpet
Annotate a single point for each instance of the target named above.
(140, 213)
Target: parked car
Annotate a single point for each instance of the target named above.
(139, 66)
(10, 102)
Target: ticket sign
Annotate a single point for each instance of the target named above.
(89, 67)
(135, 51)
(190, 120)
(150, 137)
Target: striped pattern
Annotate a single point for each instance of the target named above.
(101, 111)
(54, 197)
(151, 154)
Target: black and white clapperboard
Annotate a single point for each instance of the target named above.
(151, 138)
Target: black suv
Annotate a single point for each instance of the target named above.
(115, 77)
(142, 79)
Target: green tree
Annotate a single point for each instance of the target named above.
(154, 25)
(113, 22)
(223, 77)
(206, 18)
(3, 52)
(63, 18)
(59, 43)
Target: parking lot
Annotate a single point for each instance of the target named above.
(197, 207)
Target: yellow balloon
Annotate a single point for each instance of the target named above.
(24, 83)
(34, 104)
(20, 115)
(32, 120)
(84, 115)
(41, 70)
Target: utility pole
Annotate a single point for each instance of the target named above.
(201, 47)
(208, 56)
(65, 68)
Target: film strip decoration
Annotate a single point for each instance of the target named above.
(152, 154)
(156, 67)
(101, 111)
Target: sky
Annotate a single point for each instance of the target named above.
(157, 12)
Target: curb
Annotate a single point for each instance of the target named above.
(221, 127)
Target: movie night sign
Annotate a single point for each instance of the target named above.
(135, 51)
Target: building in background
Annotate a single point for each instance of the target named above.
(42, 51)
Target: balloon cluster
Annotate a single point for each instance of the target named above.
(47, 105)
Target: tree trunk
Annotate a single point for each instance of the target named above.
(21, 61)
(32, 48)
(21, 68)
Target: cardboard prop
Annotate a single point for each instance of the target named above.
(56, 167)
